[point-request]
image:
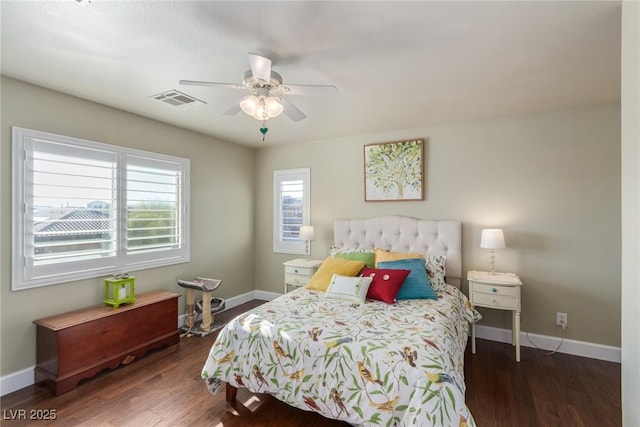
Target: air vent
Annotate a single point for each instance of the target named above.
(176, 98)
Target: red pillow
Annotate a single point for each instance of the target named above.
(386, 283)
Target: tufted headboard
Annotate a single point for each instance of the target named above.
(405, 234)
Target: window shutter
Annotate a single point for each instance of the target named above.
(153, 205)
(85, 209)
(291, 209)
(70, 207)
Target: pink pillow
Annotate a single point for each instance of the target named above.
(386, 283)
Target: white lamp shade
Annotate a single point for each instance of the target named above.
(273, 106)
(492, 238)
(306, 232)
(249, 104)
(260, 113)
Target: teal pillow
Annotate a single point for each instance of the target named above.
(416, 285)
(369, 258)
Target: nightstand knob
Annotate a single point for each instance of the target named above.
(295, 270)
(494, 290)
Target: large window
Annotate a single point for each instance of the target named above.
(84, 209)
(291, 209)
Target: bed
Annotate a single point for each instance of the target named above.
(367, 364)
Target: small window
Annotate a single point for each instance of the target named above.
(84, 209)
(291, 209)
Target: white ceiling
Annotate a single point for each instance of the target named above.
(397, 65)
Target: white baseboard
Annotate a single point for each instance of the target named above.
(16, 381)
(24, 378)
(577, 348)
(267, 296)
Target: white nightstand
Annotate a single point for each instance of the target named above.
(297, 272)
(500, 291)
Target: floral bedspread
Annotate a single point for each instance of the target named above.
(369, 364)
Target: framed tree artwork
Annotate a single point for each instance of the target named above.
(394, 171)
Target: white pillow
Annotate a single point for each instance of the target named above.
(352, 289)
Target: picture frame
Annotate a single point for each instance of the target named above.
(394, 171)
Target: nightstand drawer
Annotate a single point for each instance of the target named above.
(496, 301)
(302, 271)
(495, 290)
(296, 279)
(298, 272)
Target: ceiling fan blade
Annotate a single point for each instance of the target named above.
(214, 84)
(260, 67)
(292, 111)
(309, 89)
(235, 109)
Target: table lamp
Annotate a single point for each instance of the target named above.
(492, 238)
(306, 234)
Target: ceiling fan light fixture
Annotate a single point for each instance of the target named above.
(249, 104)
(273, 106)
(261, 107)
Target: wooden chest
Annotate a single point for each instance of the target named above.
(79, 344)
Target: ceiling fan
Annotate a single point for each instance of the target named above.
(266, 99)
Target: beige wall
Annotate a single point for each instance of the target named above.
(222, 206)
(630, 213)
(551, 180)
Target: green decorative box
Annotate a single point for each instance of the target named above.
(119, 291)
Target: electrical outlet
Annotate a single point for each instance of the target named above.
(561, 320)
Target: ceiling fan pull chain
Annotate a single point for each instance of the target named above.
(263, 130)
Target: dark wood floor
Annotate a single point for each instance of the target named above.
(165, 389)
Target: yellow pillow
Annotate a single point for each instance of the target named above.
(382, 255)
(330, 266)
